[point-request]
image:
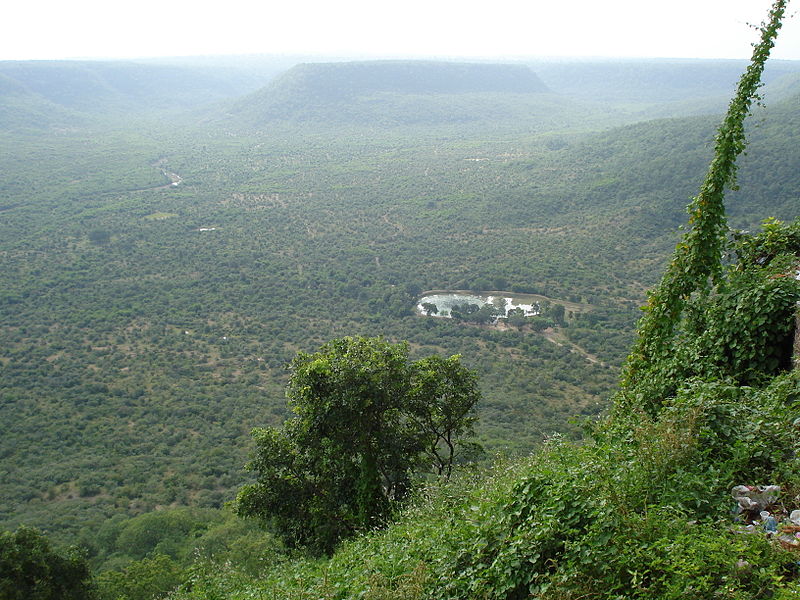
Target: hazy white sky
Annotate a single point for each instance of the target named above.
(38, 29)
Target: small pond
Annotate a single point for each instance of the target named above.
(445, 301)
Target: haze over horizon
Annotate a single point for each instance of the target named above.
(41, 30)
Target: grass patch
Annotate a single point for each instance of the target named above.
(160, 216)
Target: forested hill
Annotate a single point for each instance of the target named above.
(634, 164)
(409, 77)
(402, 90)
(44, 94)
(652, 80)
(107, 85)
(22, 109)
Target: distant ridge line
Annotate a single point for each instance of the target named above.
(417, 76)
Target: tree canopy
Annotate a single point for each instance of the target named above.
(31, 569)
(367, 419)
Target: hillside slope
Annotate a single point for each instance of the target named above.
(22, 110)
(653, 80)
(84, 89)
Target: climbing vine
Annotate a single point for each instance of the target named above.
(696, 264)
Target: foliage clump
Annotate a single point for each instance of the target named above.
(740, 330)
(745, 330)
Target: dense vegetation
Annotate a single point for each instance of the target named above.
(145, 327)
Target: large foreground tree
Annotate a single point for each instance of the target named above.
(367, 419)
(31, 569)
